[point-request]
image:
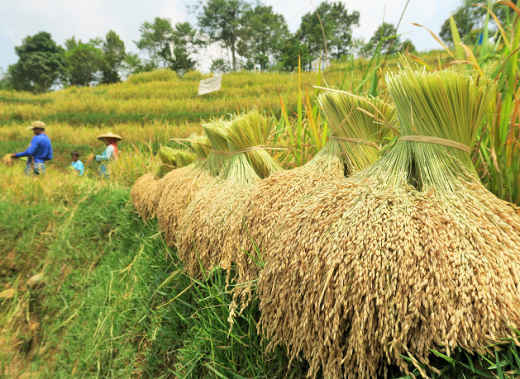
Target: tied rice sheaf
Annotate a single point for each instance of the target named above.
(147, 190)
(210, 223)
(409, 255)
(358, 127)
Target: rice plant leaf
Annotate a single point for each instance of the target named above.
(511, 5)
(459, 51)
(448, 359)
(472, 59)
(497, 23)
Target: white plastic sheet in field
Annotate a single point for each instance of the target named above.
(212, 84)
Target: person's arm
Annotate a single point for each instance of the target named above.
(107, 154)
(81, 168)
(30, 150)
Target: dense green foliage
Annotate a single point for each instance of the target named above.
(40, 64)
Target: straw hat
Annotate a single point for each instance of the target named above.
(37, 125)
(110, 135)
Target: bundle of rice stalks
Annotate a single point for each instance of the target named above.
(176, 157)
(200, 145)
(143, 195)
(409, 255)
(355, 147)
(177, 193)
(250, 133)
(213, 218)
(172, 159)
(359, 124)
(7, 160)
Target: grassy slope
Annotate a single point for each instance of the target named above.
(116, 302)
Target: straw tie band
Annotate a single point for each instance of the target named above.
(437, 141)
(359, 141)
(247, 150)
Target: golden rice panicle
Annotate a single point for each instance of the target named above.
(207, 225)
(177, 195)
(143, 195)
(266, 206)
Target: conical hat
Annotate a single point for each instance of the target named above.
(37, 124)
(110, 135)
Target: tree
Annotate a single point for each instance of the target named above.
(186, 43)
(293, 50)
(468, 17)
(385, 38)
(83, 61)
(333, 21)
(113, 57)
(5, 81)
(221, 20)
(156, 38)
(262, 36)
(40, 64)
(408, 46)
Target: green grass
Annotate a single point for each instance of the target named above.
(116, 301)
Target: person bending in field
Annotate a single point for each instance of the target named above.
(111, 152)
(77, 165)
(38, 152)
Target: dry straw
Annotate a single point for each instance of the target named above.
(351, 118)
(409, 255)
(211, 222)
(177, 193)
(143, 195)
(147, 190)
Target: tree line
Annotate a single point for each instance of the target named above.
(254, 35)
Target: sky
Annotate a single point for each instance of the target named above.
(87, 19)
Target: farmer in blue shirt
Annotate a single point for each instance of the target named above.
(40, 149)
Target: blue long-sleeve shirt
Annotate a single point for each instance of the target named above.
(40, 149)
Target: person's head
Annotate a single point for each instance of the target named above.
(75, 156)
(38, 127)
